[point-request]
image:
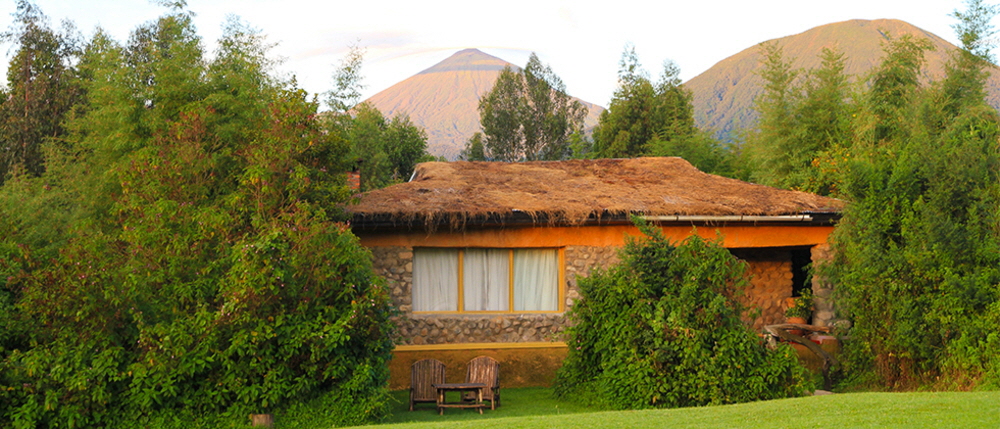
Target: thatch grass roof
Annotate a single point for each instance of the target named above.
(575, 191)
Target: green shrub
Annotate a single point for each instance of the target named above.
(662, 329)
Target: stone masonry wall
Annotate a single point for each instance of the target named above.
(395, 264)
(825, 313)
(770, 274)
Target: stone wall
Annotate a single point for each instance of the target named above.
(395, 264)
(770, 274)
(825, 313)
(581, 261)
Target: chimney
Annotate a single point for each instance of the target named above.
(354, 177)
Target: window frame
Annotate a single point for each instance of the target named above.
(560, 281)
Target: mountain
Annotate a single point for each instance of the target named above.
(444, 99)
(724, 94)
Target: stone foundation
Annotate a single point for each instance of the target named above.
(420, 329)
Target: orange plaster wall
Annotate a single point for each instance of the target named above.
(745, 236)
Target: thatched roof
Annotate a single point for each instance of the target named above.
(574, 191)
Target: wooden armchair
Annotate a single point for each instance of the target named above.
(486, 370)
(423, 375)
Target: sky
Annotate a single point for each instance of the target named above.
(582, 40)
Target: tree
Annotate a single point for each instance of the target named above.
(42, 88)
(766, 145)
(653, 119)
(384, 151)
(916, 261)
(528, 116)
(628, 126)
(474, 149)
(347, 80)
(966, 70)
(894, 90)
(804, 123)
(210, 275)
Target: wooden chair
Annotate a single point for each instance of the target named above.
(486, 370)
(423, 375)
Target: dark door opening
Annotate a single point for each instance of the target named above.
(801, 265)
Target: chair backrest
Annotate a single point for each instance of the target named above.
(483, 369)
(423, 375)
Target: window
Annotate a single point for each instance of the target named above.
(486, 280)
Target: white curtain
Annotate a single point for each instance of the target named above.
(435, 280)
(486, 279)
(536, 280)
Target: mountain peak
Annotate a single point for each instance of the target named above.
(444, 99)
(469, 60)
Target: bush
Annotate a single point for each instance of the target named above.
(662, 329)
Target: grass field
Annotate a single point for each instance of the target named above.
(536, 408)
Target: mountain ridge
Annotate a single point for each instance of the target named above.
(444, 98)
(723, 95)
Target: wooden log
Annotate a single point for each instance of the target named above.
(829, 361)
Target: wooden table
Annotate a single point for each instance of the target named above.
(461, 388)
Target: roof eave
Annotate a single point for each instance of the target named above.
(456, 221)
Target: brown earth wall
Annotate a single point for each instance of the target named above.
(770, 273)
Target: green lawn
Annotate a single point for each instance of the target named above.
(535, 408)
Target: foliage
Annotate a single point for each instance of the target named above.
(197, 265)
(663, 329)
(647, 118)
(802, 305)
(42, 88)
(384, 151)
(916, 266)
(528, 116)
(474, 149)
(804, 123)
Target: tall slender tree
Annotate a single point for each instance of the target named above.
(383, 150)
(42, 87)
(653, 118)
(528, 116)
